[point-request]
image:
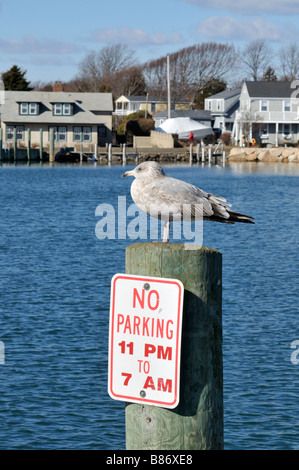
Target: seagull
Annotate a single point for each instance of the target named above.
(171, 199)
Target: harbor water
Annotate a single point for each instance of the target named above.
(55, 293)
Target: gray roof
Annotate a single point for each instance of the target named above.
(85, 107)
(226, 94)
(269, 89)
(196, 114)
(151, 99)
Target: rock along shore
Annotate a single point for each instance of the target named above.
(272, 155)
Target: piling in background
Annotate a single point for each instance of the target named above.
(15, 144)
(28, 144)
(40, 144)
(1, 142)
(51, 150)
(197, 422)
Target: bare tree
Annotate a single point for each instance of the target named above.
(100, 68)
(191, 69)
(248, 123)
(129, 81)
(289, 62)
(256, 58)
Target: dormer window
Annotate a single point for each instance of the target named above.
(31, 109)
(63, 109)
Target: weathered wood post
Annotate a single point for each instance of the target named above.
(41, 144)
(15, 145)
(81, 152)
(28, 144)
(51, 152)
(197, 422)
(197, 152)
(1, 143)
(109, 153)
(124, 154)
(210, 153)
(191, 154)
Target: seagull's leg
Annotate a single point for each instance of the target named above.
(166, 231)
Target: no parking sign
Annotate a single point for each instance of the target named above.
(145, 339)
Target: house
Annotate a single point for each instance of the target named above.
(268, 113)
(223, 107)
(75, 117)
(200, 115)
(125, 105)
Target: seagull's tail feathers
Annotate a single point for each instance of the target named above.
(233, 218)
(237, 217)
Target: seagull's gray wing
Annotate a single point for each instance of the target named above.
(170, 195)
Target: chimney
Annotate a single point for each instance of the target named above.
(58, 87)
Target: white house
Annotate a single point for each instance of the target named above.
(125, 105)
(223, 107)
(270, 110)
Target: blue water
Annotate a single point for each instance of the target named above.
(55, 284)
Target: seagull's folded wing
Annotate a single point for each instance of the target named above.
(177, 197)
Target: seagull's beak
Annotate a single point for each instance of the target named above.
(128, 173)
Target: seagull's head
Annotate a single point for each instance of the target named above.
(146, 170)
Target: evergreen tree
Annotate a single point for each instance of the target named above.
(14, 79)
(269, 75)
(211, 88)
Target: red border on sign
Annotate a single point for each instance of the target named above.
(162, 281)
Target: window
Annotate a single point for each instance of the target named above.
(265, 131)
(86, 134)
(29, 108)
(24, 108)
(287, 105)
(264, 105)
(218, 105)
(82, 134)
(63, 109)
(58, 109)
(285, 130)
(20, 132)
(209, 105)
(77, 134)
(60, 133)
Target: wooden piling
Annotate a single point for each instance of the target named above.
(191, 154)
(197, 152)
(124, 154)
(197, 422)
(51, 153)
(210, 153)
(1, 143)
(41, 144)
(15, 145)
(109, 154)
(28, 144)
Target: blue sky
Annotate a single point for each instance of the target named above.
(48, 39)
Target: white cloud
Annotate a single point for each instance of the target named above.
(226, 28)
(134, 37)
(251, 7)
(31, 45)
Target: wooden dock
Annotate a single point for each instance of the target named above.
(109, 154)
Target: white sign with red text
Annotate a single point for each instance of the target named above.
(145, 339)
